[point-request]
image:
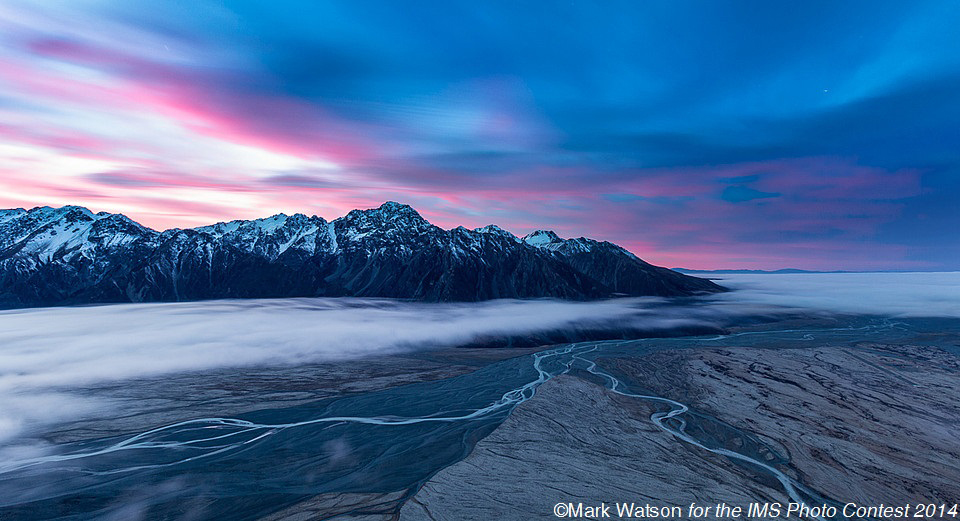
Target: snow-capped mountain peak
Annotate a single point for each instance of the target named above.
(45, 233)
(542, 239)
(390, 221)
(493, 229)
(388, 212)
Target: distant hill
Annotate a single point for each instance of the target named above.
(785, 270)
(720, 272)
(69, 255)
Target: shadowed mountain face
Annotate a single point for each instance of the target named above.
(52, 256)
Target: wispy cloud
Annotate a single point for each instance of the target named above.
(580, 118)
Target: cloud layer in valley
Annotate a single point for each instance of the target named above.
(51, 358)
(888, 294)
(48, 352)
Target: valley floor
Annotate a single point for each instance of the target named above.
(824, 409)
(869, 423)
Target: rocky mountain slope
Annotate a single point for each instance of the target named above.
(69, 255)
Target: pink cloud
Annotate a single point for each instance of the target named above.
(814, 211)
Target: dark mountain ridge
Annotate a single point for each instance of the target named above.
(69, 255)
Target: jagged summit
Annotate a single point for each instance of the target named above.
(543, 239)
(493, 229)
(389, 211)
(549, 240)
(397, 208)
(69, 255)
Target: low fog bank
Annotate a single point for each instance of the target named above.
(47, 354)
(892, 294)
(50, 358)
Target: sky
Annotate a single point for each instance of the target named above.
(764, 135)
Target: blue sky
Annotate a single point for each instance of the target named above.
(817, 135)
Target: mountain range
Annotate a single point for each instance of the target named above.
(70, 256)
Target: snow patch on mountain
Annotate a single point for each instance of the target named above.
(542, 239)
(332, 234)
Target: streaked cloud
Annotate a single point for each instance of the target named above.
(820, 136)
